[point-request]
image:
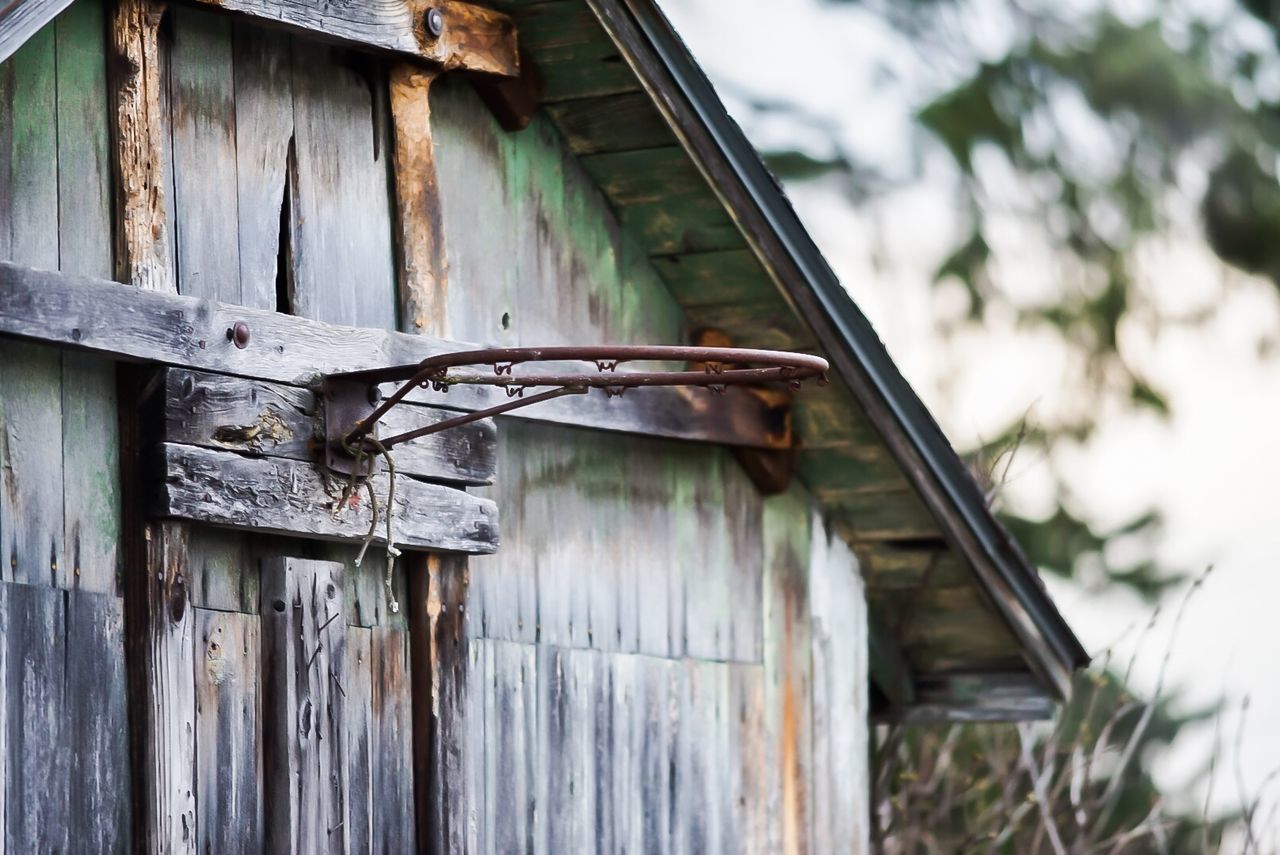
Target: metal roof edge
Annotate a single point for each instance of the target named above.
(757, 202)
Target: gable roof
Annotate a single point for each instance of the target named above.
(965, 622)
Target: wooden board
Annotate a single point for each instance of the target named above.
(474, 38)
(176, 330)
(252, 417)
(304, 640)
(228, 737)
(279, 496)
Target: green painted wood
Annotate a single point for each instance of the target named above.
(871, 517)
(826, 417)
(770, 325)
(697, 224)
(573, 56)
(90, 434)
(203, 115)
(834, 474)
(653, 175)
(611, 123)
(714, 279)
(31, 516)
(910, 566)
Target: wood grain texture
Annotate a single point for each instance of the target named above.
(268, 419)
(20, 21)
(143, 241)
(841, 780)
(90, 440)
(37, 760)
(202, 109)
(423, 260)
(228, 735)
(279, 496)
(341, 205)
(304, 667)
(135, 325)
(474, 38)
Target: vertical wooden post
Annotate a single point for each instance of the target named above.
(424, 282)
(438, 664)
(158, 617)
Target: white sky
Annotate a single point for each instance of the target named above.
(1214, 468)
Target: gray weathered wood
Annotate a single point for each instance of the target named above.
(361, 753)
(390, 703)
(98, 729)
(228, 735)
(438, 615)
(271, 419)
(511, 721)
(37, 758)
(203, 114)
(281, 496)
(264, 131)
(474, 38)
(341, 231)
(841, 783)
(135, 324)
(303, 672)
(21, 20)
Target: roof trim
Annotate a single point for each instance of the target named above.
(753, 197)
(22, 19)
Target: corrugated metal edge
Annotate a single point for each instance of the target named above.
(753, 197)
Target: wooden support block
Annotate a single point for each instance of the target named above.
(424, 267)
(439, 678)
(513, 101)
(304, 669)
(282, 496)
(258, 418)
(472, 38)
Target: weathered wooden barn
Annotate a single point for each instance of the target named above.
(661, 622)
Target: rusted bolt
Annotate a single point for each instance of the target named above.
(433, 20)
(239, 334)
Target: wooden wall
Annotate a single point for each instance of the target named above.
(657, 658)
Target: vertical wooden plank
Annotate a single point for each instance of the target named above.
(143, 252)
(745, 563)
(4, 706)
(228, 736)
(203, 116)
(360, 740)
(391, 709)
(341, 207)
(841, 786)
(511, 716)
(424, 283)
(98, 730)
(224, 571)
(37, 759)
(31, 517)
(567, 722)
(90, 437)
(756, 787)
(304, 661)
(447, 809)
(264, 130)
(787, 669)
(658, 685)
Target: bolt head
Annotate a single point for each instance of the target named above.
(434, 21)
(239, 334)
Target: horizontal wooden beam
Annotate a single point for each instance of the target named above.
(974, 696)
(128, 323)
(470, 38)
(280, 496)
(259, 418)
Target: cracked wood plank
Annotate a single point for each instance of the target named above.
(304, 670)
